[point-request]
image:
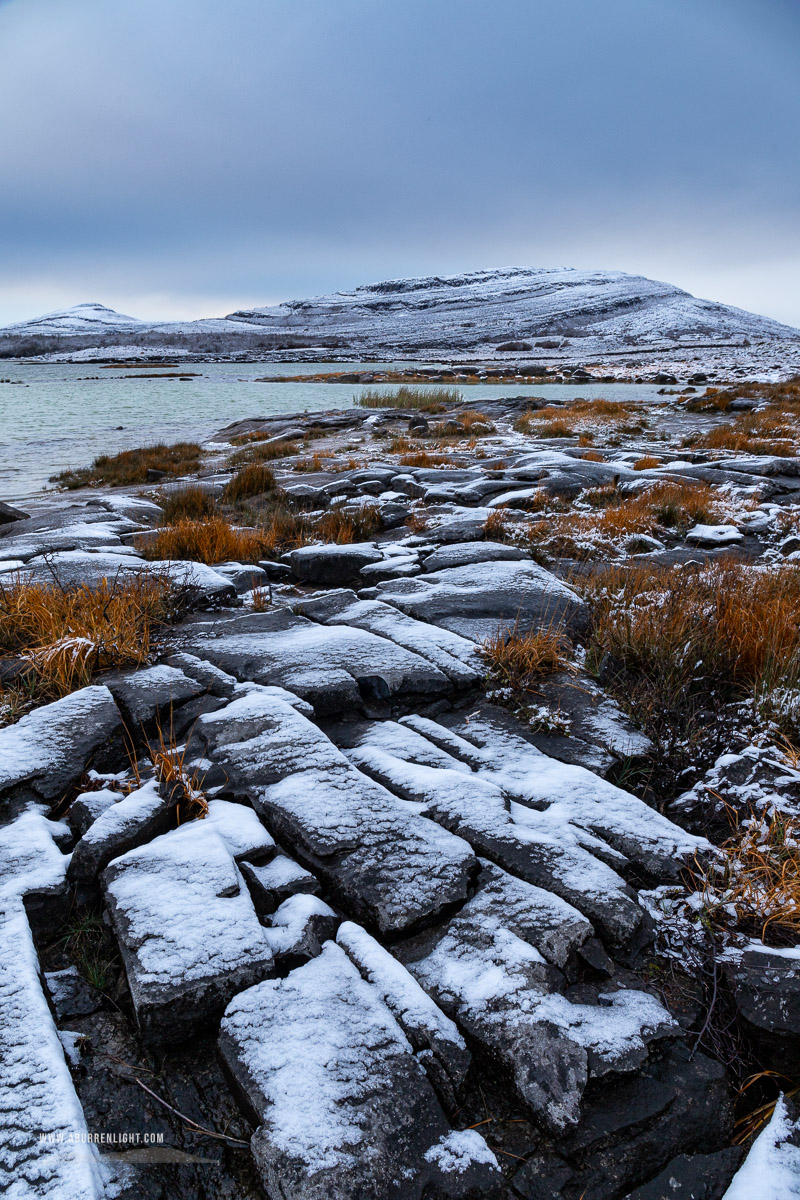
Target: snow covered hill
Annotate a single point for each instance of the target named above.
(489, 307)
(559, 313)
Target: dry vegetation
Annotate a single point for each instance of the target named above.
(683, 648)
(517, 660)
(61, 637)
(338, 526)
(208, 540)
(423, 399)
(252, 480)
(132, 466)
(605, 515)
(268, 452)
(193, 501)
(581, 417)
(773, 428)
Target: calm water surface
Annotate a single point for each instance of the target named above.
(57, 416)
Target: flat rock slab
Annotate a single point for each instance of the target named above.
(477, 599)
(435, 1039)
(765, 984)
(543, 848)
(332, 565)
(486, 970)
(344, 1108)
(455, 656)
(382, 862)
(187, 930)
(335, 668)
(461, 554)
(44, 1149)
(49, 748)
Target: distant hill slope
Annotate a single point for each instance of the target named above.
(573, 312)
(518, 303)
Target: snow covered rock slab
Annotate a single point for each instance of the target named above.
(333, 667)
(543, 848)
(344, 1109)
(299, 928)
(384, 864)
(455, 656)
(133, 820)
(44, 1149)
(772, 1167)
(435, 1038)
(461, 554)
(275, 881)
(189, 935)
(485, 970)
(476, 599)
(145, 694)
(496, 753)
(49, 748)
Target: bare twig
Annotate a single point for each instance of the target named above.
(193, 1124)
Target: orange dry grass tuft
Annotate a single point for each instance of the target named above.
(730, 624)
(253, 480)
(264, 453)
(422, 458)
(646, 463)
(753, 885)
(132, 466)
(516, 660)
(193, 501)
(496, 524)
(209, 540)
(175, 780)
(66, 635)
(314, 463)
(338, 526)
(581, 416)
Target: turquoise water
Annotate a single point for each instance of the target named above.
(57, 416)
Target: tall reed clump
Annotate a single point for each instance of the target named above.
(424, 399)
(63, 636)
(193, 501)
(132, 466)
(344, 527)
(252, 480)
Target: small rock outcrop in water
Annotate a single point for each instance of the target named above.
(313, 900)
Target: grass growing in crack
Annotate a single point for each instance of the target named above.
(88, 943)
(580, 417)
(268, 452)
(423, 399)
(64, 636)
(132, 466)
(517, 663)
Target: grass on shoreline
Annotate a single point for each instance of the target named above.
(132, 466)
(423, 399)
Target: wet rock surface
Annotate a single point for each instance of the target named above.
(381, 934)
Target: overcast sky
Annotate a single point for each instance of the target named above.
(181, 158)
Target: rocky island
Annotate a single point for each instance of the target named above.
(403, 802)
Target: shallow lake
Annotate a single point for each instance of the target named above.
(57, 416)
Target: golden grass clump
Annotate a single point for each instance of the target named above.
(518, 660)
(424, 458)
(646, 463)
(729, 624)
(423, 399)
(345, 527)
(252, 480)
(315, 463)
(193, 501)
(132, 466)
(578, 417)
(64, 636)
(263, 452)
(752, 886)
(209, 540)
